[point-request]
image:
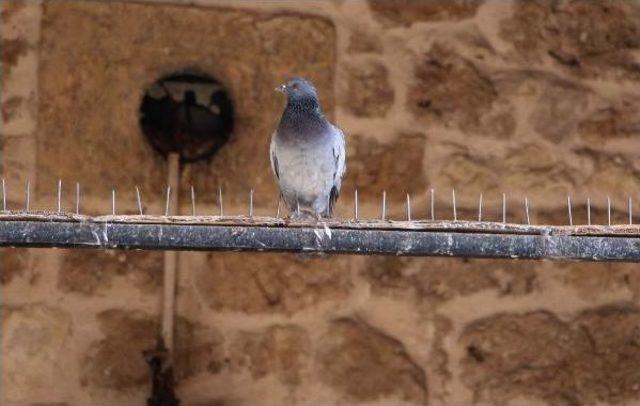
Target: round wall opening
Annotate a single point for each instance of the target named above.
(187, 113)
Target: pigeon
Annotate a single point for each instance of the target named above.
(308, 156)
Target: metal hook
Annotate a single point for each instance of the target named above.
(59, 195)
(453, 198)
(193, 201)
(480, 208)
(139, 200)
(526, 210)
(504, 208)
(408, 207)
(251, 203)
(433, 205)
(4, 196)
(588, 210)
(609, 210)
(384, 205)
(77, 198)
(355, 205)
(220, 201)
(569, 208)
(27, 203)
(167, 202)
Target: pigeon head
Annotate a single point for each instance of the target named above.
(299, 89)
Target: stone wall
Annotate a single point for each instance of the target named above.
(536, 98)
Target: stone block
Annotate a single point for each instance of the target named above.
(592, 39)
(271, 283)
(34, 351)
(13, 263)
(90, 272)
(451, 90)
(368, 92)
(366, 365)
(442, 279)
(116, 361)
(590, 359)
(407, 12)
(280, 350)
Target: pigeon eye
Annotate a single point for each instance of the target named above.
(295, 86)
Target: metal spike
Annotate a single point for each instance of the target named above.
(504, 208)
(588, 210)
(139, 200)
(251, 203)
(569, 208)
(433, 205)
(193, 201)
(384, 205)
(27, 203)
(297, 207)
(480, 208)
(355, 205)
(630, 205)
(59, 195)
(609, 210)
(166, 206)
(77, 198)
(113, 202)
(408, 207)
(278, 209)
(526, 210)
(4, 196)
(220, 201)
(453, 199)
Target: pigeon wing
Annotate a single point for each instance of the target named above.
(340, 166)
(274, 158)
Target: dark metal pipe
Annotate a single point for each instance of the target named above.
(247, 237)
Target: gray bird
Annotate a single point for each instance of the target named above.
(307, 153)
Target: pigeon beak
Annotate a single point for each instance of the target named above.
(281, 88)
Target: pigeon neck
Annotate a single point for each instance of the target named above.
(305, 107)
(303, 115)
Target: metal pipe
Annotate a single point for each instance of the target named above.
(535, 242)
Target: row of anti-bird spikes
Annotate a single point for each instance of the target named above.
(383, 214)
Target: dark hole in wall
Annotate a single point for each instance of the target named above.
(187, 113)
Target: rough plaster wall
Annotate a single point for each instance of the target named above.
(535, 97)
